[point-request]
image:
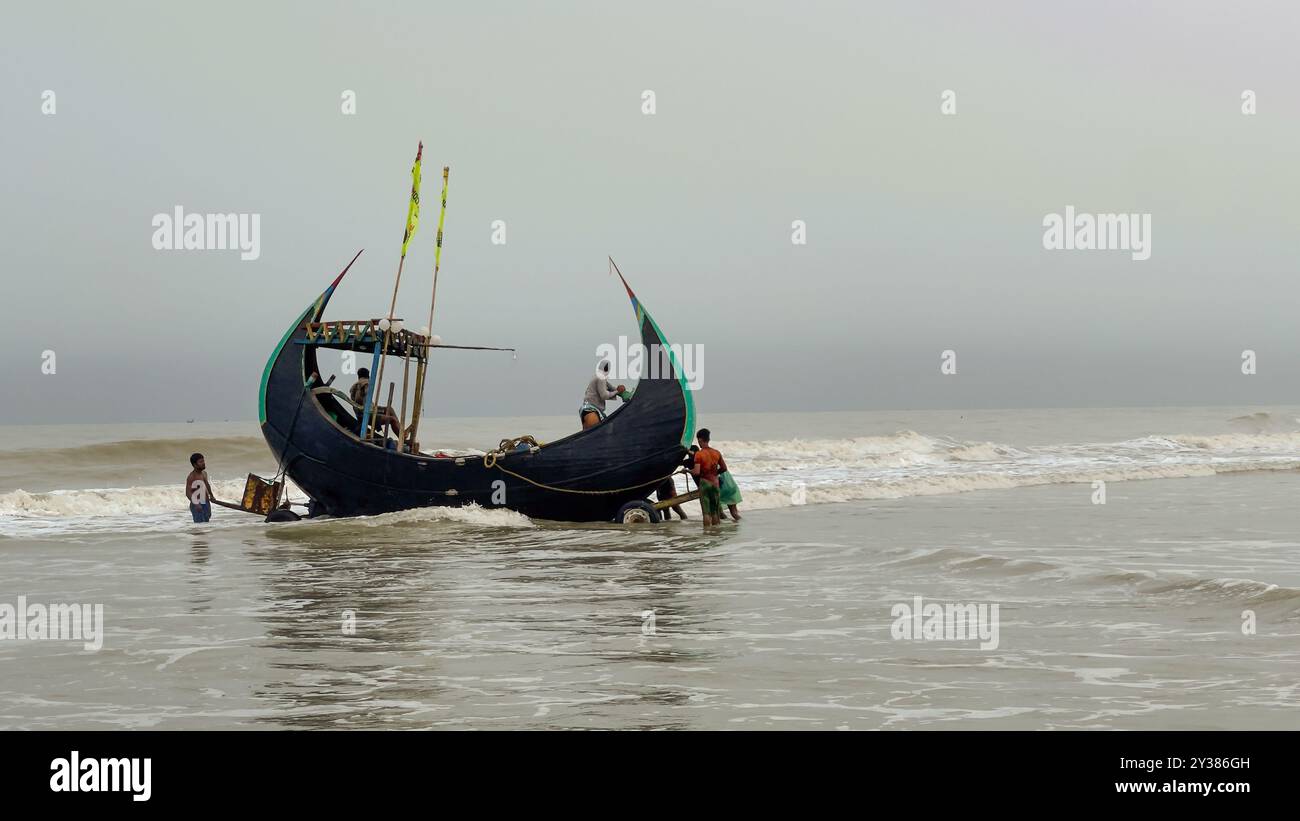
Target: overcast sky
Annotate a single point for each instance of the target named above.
(924, 231)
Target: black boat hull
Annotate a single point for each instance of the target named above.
(587, 476)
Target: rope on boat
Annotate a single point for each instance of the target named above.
(585, 492)
(507, 446)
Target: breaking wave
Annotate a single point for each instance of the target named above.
(824, 471)
(771, 473)
(106, 502)
(1170, 587)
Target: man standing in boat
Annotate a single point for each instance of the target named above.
(198, 490)
(599, 389)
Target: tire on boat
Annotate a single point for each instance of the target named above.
(638, 512)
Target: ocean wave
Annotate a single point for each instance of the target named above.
(163, 506)
(1194, 590)
(110, 502)
(1240, 441)
(784, 473)
(1179, 588)
(794, 492)
(1263, 421)
(134, 462)
(137, 450)
(857, 449)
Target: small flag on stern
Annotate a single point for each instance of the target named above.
(413, 215)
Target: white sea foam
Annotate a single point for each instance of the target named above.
(89, 502)
(771, 473)
(781, 473)
(162, 508)
(1242, 441)
(471, 514)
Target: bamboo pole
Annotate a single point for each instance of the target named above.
(412, 210)
(410, 431)
(372, 391)
(433, 300)
(401, 420)
(391, 385)
(379, 377)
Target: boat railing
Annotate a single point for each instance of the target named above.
(364, 334)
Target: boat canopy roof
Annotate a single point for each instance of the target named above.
(366, 335)
(363, 335)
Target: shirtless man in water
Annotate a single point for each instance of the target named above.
(198, 490)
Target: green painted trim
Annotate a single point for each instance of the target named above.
(688, 430)
(266, 372)
(370, 393)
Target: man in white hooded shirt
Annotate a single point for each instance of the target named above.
(599, 389)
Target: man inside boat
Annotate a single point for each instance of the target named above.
(385, 419)
(599, 389)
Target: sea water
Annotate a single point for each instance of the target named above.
(1141, 564)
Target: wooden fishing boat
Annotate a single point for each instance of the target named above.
(321, 441)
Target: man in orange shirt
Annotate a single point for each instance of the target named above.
(708, 464)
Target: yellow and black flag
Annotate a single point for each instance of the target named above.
(413, 215)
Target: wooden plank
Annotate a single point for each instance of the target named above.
(677, 500)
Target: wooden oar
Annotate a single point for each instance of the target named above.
(233, 506)
(461, 347)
